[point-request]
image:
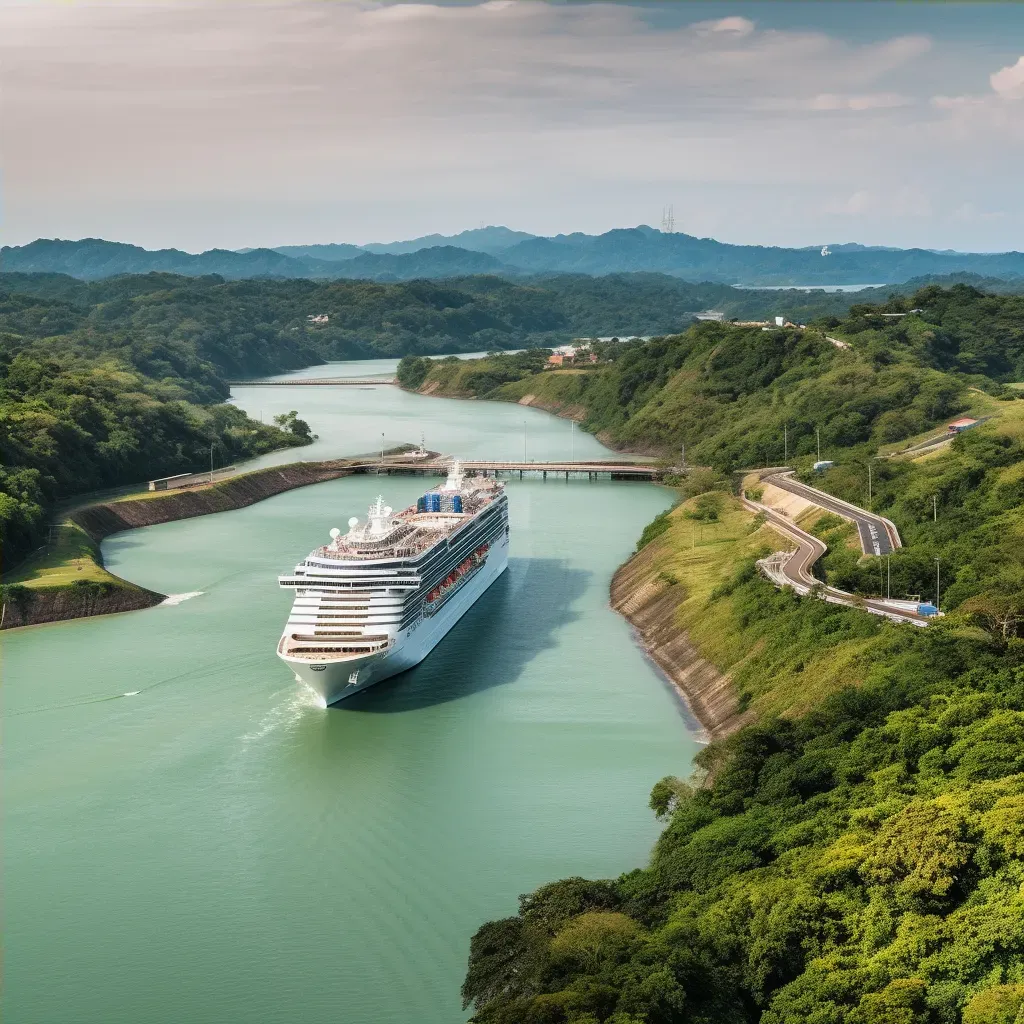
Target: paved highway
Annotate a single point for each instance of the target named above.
(794, 569)
(878, 536)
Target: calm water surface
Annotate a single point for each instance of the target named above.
(218, 848)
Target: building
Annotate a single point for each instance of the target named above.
(960, 425)
(566, 354)
(170, 483)
(318, 318)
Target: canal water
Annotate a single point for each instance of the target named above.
(216, 847)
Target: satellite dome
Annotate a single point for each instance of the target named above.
(353, 522)
(388, 510)
(335, 533)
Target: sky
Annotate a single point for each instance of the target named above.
(226, 123)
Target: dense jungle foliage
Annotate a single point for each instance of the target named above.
(750, 397)
(261, 326)
(861, 862)
(88, 401)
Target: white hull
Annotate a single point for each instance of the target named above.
(336, 679)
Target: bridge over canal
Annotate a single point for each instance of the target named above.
(313, 382)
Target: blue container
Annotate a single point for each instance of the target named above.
(927, 609)
(457, 503)
(433, 502)
(421, 504)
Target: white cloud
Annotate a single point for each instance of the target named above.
(871, 101)
(394, 119)
(898, 201)
(733, 25)
(1009, 82)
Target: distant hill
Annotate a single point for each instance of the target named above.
(623, 250)
(331, 253)
(94, 258)
(704, 259)
(439, 261)
(490, 239)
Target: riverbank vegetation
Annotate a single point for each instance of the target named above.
(740, 396)
(854, 854)
(86, 405)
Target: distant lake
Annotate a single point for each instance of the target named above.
(808, 287)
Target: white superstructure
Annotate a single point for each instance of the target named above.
(376, 600)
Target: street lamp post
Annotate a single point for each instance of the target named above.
(937, 594)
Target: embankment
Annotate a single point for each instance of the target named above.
(104, 519)
(35, 597)
(652, 601)
(32, 606)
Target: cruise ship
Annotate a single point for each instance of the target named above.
(376, 600)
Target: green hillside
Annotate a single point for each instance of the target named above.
(855, 855)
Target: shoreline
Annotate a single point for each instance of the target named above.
(34, 604)
(641, 596)
(640, 593)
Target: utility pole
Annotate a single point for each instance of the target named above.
(935, 508)
(785, 444)
(817, 433)
(869, 484)
(879, 575)
(211, 462)
(888, 577)
(937, 581)
(572, 441)
(682, 457)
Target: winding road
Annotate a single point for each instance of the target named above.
(878, 536)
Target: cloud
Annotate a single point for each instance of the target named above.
(871, 101)
(901, 201)
(401, 118)
(1009, 82)
(733, 25)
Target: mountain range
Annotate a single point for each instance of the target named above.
(507, 253)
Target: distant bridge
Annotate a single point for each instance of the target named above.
(312, 382)
(624, 470)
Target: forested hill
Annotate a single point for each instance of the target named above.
(513, 254)
(92, 396)
(855, 854)
(260, 326)
(733, 394)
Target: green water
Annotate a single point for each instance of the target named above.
(217, 848)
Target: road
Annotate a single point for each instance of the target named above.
(878, 536)
(794, 569)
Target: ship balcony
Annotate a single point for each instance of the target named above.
(313, 647)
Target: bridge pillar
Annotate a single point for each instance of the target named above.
(520, 474)
(545, 474)
(567, 476)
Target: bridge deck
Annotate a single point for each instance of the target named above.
(314, 382)
(636, 470)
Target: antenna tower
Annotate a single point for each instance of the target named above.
(668, 220)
